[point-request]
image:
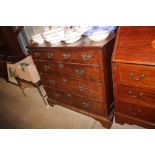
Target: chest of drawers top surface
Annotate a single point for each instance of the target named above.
(83, 42)
(135, 45)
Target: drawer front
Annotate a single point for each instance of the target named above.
(82, 88)
(65, 98)
(135, 95)
(74, 55)
(91, 106)
(76, 71)
(136, 111)
(44, 54)
(134, 74)
(68, 98)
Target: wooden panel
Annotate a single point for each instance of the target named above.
(76, 71)
(135, 45)
(136, 111)
(134, 75)
(82, 88)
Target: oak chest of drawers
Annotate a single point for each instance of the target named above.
(78, 76)
(134, 76)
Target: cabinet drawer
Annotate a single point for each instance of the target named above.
(76, 71)
(68, 98)
(136, 111)
(44, 54)
(135, 95)
(74, 55)
(82, 88)
(134, 75)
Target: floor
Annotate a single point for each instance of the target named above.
(19, 112)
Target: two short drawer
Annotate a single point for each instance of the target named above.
(83, 103)
(69, 55)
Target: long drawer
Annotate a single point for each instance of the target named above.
(137, 95)
(136, 111)
(76, 71)
(67, 98)
(82, 88)
(70, 55)
(134, 75)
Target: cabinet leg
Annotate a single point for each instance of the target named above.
(119, 120)
(107, 124)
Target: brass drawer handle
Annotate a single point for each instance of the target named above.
(69, 95)
(136, 79)
(56, 95)
(83, 88)
(66, 55)
(51, 82)
(36, 54)
(61, 65)
(79, 72)
(47, 68)
(86, 56)
(50, 55)
(133, 111)
(64, 80)
(85, 104)
(135, 96)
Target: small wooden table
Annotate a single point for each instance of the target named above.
(29, 83)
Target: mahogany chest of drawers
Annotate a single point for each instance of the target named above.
(133, 65)
(78, 76)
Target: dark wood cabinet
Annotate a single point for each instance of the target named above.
(10, 49)
(78, 76)
(133, 67)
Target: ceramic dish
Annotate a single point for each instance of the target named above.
(37, 39)
(81, 29)
(54, 36)
(54, 39)
(71, 36)
(98, 36)
(54, 31)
